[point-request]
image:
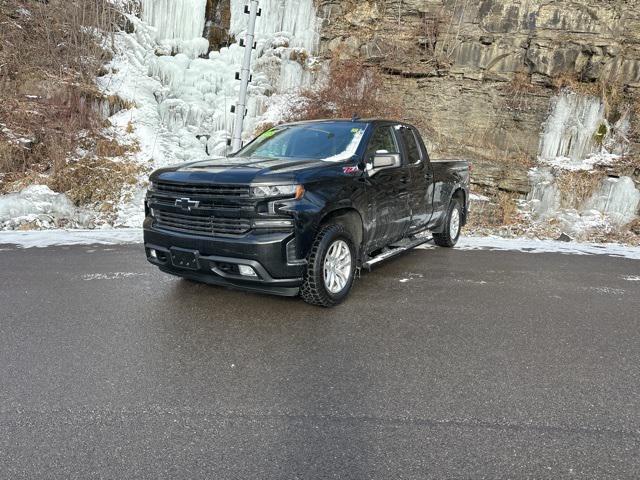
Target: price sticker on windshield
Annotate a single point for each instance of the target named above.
(269, 133)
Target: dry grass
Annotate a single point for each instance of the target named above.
(507, 208)
(634, 133)
(501, 210)
(577, 187)
(48, 63)
(111, 148)
(634, 227)
(433, 32)
(518, 92)
(352, 88)
(572, 81)
(96, 180)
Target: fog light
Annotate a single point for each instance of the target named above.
(247, 271)
(153, 253)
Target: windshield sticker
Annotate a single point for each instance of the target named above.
(269, 133)
(356, 130)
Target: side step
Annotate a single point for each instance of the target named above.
(396, 249)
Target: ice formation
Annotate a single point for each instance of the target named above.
(617, 198)
(184, 93)
(182, 20)
(545, 195)
(614, 203)
(578, 137)
(570, 129)
(40, 207)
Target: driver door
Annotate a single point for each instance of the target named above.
(387, 192)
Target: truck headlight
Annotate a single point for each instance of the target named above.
(267, 191)
(152, 186)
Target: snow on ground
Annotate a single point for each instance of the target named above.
(50, 238)
(41, 239)
(548, 246)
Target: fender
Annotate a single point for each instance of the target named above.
(459, 187)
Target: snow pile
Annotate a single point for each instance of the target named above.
(37, 206)
(183, 93)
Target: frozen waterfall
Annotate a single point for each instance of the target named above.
(295, 18)
(570, 130)
(181, 19)
(184, 92)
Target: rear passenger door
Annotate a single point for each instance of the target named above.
(387, 192)
(420, 188)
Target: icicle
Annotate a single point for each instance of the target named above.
(545, 195)
(182, 19)
(570, 129)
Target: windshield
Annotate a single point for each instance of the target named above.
(318, 141)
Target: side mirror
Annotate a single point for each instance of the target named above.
(383, 161)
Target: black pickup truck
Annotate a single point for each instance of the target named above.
(303, 207)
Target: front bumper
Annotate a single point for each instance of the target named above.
(219, 257)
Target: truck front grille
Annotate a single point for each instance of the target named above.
(202, 224)
(219, 190)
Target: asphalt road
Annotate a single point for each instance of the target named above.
(442, 364)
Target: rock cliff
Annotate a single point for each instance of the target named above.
(479, 77)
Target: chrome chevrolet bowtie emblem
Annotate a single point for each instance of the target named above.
(187, 204)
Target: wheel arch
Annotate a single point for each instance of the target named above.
(459, 193)
(350, 218)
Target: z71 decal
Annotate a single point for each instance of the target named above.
(350, 170)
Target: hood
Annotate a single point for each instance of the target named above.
(239, 170)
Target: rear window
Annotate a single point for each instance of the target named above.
(413, 150)
(314, 141)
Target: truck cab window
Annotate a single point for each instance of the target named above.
(383, 140)
(414, 155)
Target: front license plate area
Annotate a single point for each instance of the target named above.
(187, 259)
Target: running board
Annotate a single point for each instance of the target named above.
(396, 249)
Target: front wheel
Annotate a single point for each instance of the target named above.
(330, 268)
(452, 225)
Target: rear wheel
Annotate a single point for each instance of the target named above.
(452, 226)
(330, 267)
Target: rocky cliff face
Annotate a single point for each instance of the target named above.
(479, 77)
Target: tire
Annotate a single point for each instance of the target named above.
(452, 227)
(318, 287)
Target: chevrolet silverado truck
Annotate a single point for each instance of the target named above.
(303, 207)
